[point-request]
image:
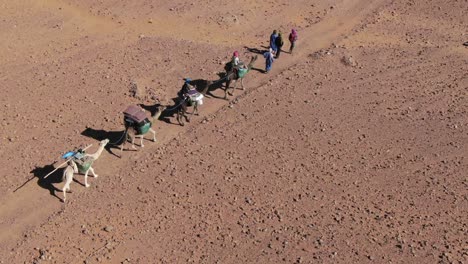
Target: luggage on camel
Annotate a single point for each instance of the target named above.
(191, 94)
(135, 117)
(194, 96)
(82, 162)
(241, 72)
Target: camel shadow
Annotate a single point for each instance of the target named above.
(207, 87)
(116, 138)
(151, 108)
(48, 183)
(169, 112)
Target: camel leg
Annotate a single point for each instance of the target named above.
(141, 141)
(75, 168)
(234, 87)
(66, 186)
(64, 190)
(154, 134)
(228, 83)
(133, 142)
(195, 109)
(179, 116)
(242, 84)
(185, 112)
(92, 172)
(86, 179)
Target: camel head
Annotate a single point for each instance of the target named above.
(158, 113)
(104, 142)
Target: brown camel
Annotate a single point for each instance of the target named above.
(182, 109)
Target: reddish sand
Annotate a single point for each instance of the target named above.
(352, 150)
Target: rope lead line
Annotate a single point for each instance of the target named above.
(116, 142)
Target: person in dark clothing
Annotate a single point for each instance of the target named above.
(292, 39)
(279, 44)
(273, 37)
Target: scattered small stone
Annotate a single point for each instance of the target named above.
(108, 228)
(349, 61)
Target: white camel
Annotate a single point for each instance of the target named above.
(68, 177)
(82, 165)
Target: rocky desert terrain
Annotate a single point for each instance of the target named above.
(353, 149)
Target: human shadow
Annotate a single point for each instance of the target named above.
(256, 50)
(116, 138)
(258, 69)
(48, 183)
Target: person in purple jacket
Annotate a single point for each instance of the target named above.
(292, 39)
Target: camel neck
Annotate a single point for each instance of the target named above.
(97, 153)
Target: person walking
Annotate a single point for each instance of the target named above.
(292, 39)
(279, 44)
(269, 58)
(273, 37)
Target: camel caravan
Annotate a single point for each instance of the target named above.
(137, 124)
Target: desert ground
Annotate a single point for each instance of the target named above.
(353, 149)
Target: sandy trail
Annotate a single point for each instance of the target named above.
(18, 210)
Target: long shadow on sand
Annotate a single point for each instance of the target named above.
(116, 138)
(47, 183)
(256, 50)
(207, 87)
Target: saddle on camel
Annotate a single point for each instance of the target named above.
(81, 160)
(237, 66)
(135, 117)
(190, 94)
